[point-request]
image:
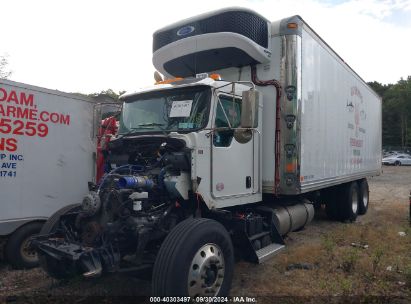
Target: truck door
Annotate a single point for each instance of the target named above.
(234, 164)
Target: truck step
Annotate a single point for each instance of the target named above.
(267, 252)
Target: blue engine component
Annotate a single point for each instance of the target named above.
(135, 182)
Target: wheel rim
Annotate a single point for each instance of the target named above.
(206, 273)
(29, 254)
(354, 201)
(365, 198)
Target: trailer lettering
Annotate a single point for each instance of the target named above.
(8, 173)
(55, 118)
(9, 166)
(18, 112)
(16, 157)
(8, 144)
(356, 142)
(19, 116)
(19, 127)
(21, 99)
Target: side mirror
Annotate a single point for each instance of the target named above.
(249, 109)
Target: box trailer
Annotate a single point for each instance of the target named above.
(255, 123)
(47, 152)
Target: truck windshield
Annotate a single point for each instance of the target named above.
(184, 109)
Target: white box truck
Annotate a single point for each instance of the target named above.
(46, 159)
(256, 122)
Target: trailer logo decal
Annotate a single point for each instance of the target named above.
(356, 106)
(184, 31)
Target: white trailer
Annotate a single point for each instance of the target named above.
(47, 151)
(256, 122)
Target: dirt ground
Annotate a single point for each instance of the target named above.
(366, 260)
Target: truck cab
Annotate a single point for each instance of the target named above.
(219, 124)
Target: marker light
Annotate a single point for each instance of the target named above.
(290, 167)
(215, 76)
(292, 25)
(167, 81)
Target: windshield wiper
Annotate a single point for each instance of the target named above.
(151, 124)
(144, 126)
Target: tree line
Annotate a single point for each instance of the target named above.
(396, 112)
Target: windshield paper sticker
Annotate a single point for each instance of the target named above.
(181, 108)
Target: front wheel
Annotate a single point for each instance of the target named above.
(397, 163)
(195, 259)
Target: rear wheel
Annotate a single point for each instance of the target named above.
(363, 197)
(55, 268)
(18, 252)
(195, 259)
(349, 202)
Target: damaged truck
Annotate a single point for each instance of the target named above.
(255, 123)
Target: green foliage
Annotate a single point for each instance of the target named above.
(376, 258)
(107, 94)
(396, 112)
(329, 245)
(349, 260)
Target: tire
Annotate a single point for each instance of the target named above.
(53, 267)
(364, 194)
(397, 163)
(17, 250)
(330, 197)
(194, 247)
(348, 202)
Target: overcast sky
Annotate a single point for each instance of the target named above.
(88, 46)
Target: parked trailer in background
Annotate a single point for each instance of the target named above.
(255, 122)
(47, 156)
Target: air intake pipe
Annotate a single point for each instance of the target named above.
(135, 182)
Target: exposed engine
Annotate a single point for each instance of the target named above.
(133, 207)
(136, 197)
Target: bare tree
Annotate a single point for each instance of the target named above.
(4, 71)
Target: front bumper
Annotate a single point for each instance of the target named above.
(90, 260)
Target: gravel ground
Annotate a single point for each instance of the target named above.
(388, 208)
